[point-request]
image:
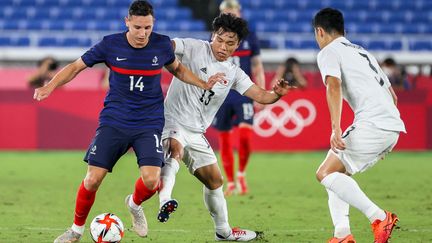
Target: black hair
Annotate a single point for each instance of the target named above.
(290, 62)
(230, 23)
(140, 8)
(389, 61)
(331, 20)
(288, 75)
(53, 65)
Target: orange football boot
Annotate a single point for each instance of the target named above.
(382, 229)
(348, 239)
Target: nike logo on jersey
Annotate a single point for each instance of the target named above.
(120, 59)
(204, 70)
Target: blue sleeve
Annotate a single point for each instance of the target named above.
(170, 56)
(96, 54)
(255, 47)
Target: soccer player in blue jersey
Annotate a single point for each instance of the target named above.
(238, 110)
(133, 113)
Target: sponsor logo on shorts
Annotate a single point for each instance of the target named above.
(93, 150)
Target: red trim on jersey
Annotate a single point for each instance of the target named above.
(242, 53)
(136, 71)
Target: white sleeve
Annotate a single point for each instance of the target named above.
(329, 64)
(179, 46)
(384, 77)
(242, 81)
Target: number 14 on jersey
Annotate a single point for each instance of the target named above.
(138, 84)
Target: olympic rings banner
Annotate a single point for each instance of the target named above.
(300, 121)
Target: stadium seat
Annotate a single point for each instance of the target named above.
(371, 17)
(12, 41)
(420, 45)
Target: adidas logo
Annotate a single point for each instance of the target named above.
(204, 70)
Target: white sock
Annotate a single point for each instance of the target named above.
(168, 175)
(339, 211)
(216, 205)
(347, 189)
(78, 229)
(132, 204)
(241, 174)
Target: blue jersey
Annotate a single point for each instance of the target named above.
(135, 98)
(248, 48)
(242, 57)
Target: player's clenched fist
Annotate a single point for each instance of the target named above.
(281, 87)
(42, 93)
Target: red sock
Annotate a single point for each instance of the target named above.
(141, 192)
(84, 202)
(244, 147)
(227, 156)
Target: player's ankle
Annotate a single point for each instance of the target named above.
(78, 229)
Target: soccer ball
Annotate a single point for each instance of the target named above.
(106, 227)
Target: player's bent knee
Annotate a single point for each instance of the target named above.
(215, 183)
(320, 175)
(151, 182)
(177, 157)
(92, 183)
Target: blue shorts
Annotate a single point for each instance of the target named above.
(110, 143)
(236, 109)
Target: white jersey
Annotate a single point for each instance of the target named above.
(364, 85)
(193, 107)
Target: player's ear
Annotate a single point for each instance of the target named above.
(126, 19)
(319, 31)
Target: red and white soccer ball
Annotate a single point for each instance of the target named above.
(106, 227)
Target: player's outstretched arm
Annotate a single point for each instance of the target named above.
(64, 76)
(186, 75)
(334, 101)
(263, 96)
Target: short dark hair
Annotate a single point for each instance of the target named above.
(53, 65)
(331, 20)
(230, 23)
(140, 8)
(389, 61)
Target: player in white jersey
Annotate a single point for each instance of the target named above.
(351, 72)
(189, 112)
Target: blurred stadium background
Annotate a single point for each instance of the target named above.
(64, 29)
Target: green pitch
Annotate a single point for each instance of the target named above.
(37, 193)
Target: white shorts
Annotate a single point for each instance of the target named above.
(197, 150)
(365, 145)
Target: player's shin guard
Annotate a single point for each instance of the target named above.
(141, 192)
(347, 189)
(84, 202)
(244, 147)
(339, 211)
(226, 151)
(216, 204)
(168, 175)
